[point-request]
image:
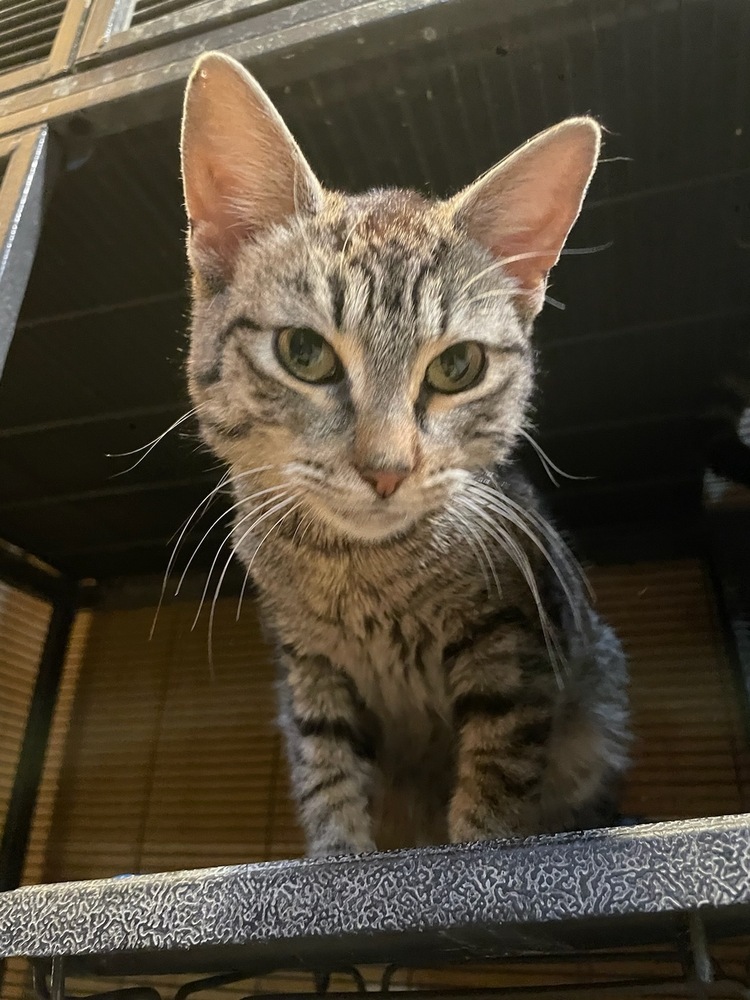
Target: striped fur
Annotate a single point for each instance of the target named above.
(442, 674)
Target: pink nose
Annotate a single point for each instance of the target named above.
(385, 482)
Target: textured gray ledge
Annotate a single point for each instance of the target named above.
(542, 894)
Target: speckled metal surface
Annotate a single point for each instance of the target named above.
(441, 894)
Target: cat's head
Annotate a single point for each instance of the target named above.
(365, 351)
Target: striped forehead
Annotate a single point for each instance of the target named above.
(388, 281)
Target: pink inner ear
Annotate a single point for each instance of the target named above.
(216, 229)
(529, 255)
(242, 170)
(523, 209)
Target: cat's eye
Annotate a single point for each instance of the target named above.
(307, 355)
(458, 368)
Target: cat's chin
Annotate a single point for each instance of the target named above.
(368, 526)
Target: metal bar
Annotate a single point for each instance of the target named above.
(26, 786)
(209, 14)
(22, 199)
(110, 416)
(286, 45)
(635, 988)
(27, 573)
(112, 491)
(8, 144)
(24, 76)
(57, 979)
(703, 967)
(722, 539)
(65, 47)
(107, 18)
(290, 41)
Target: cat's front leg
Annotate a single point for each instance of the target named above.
(331, 750)
(503, 694)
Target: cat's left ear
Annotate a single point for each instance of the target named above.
(241, 168)
(523, 209)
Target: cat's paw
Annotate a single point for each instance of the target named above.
(466, 829)
(340, 847)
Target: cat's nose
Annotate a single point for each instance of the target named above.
(385, 482)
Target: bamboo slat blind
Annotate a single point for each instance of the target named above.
(23, 626)
(168, 767)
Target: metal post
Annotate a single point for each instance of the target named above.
(107, 18)
(26, 786)
(726, 557)
(703, 967)
(69, 34)
(22, 199)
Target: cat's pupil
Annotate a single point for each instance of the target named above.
(305, 347)
(455, 362)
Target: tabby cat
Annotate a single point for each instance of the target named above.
(363, 365)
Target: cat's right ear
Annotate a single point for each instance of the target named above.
(241, 168)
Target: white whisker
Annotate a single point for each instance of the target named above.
(233, 552)
(576, 251)
(513, 512)
(554, 302)
(561, 548)
(202, 506)
(500, 264)
(252, 560)
(478, 551)
(197, 512)
(548, 461)
(519, 557)
(278, 492)
(221, 517)
(148, 448)
(314, 258)
(156, 440)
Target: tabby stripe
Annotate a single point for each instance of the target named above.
(269, 392)
(416, 288)
(338, 293)
(533, 733)
(209, 376)
(212, 374)
(505, 616)
(235, 431)
(444, 311)
(239, 323)
(369, 278)
(340, 731)
(474, 703)
(517, 787)
(399, 639)
(495, 782)
(324, 785)
(392, 291)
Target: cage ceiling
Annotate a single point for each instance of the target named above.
(427, 95)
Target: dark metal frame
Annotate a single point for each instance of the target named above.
(62, 55)
(144, 81)
(66, 597)
(23, 190)
(109, 33)
(701, 977)
(28, 775)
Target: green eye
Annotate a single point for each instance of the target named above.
(458, 368)
(307, 356)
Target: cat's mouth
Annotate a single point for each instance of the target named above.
(367, 521)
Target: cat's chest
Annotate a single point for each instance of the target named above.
(387, 630)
